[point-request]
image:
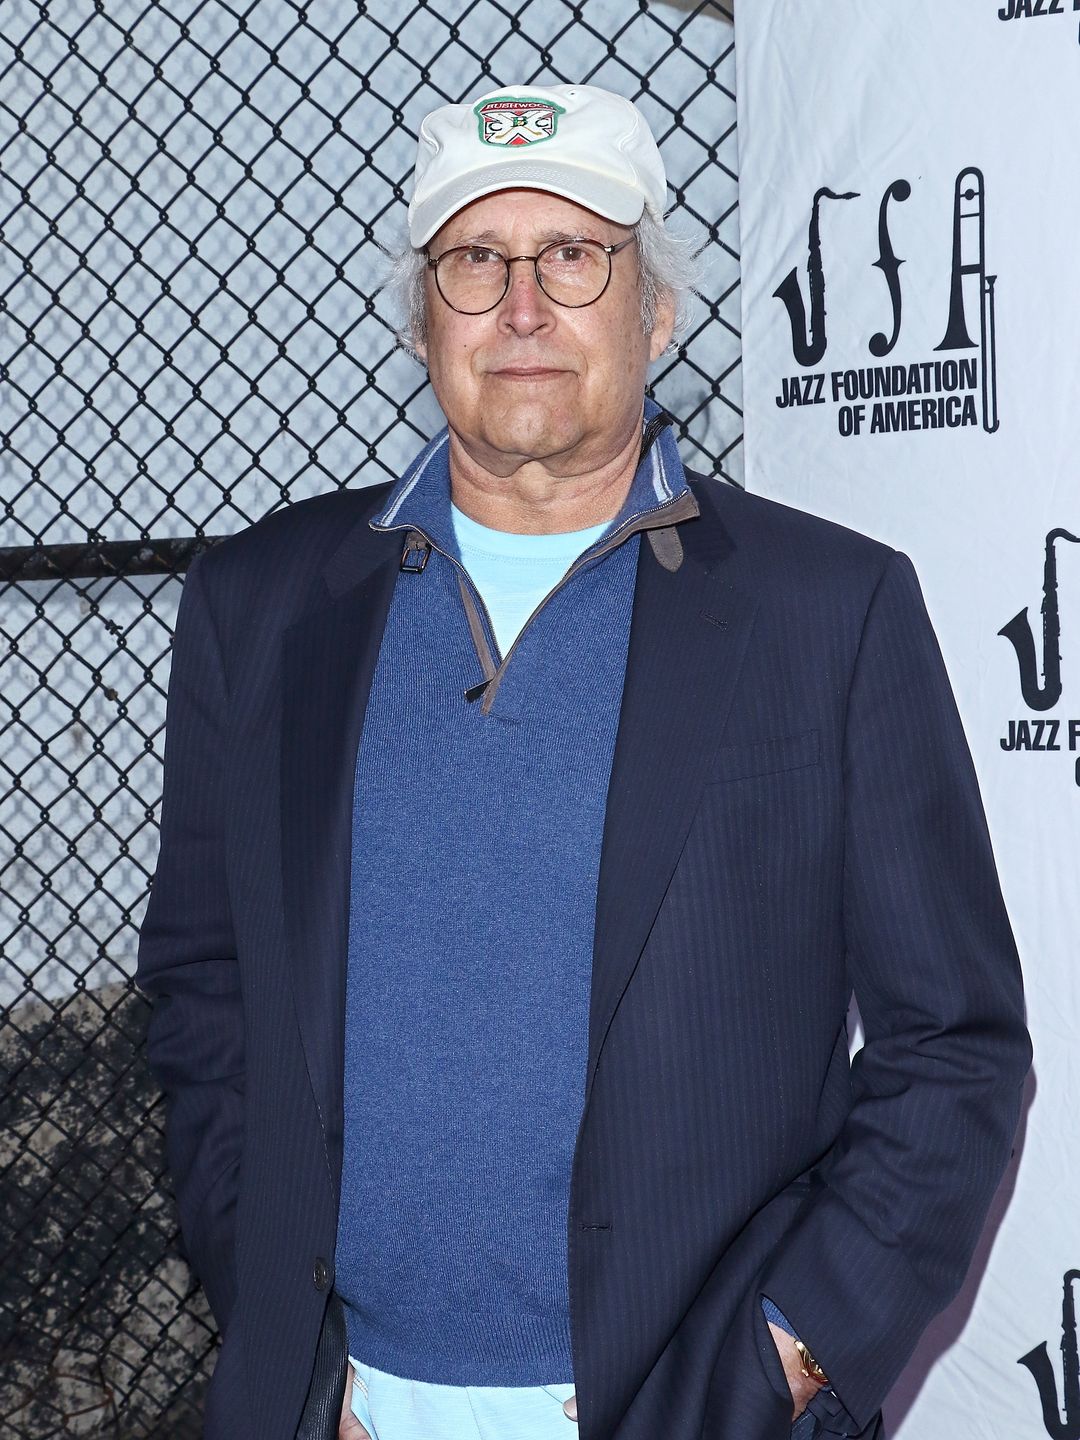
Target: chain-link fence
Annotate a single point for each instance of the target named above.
(197, 199)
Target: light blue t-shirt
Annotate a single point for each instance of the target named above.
(513, 573)
(393, 1409)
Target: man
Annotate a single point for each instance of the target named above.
(527, 825)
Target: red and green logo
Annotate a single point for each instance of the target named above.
(517, 120)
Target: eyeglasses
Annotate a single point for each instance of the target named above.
(472, 279)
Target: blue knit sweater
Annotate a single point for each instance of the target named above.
(476, 848)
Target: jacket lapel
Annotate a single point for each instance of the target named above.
(328, 663)
(688, 636)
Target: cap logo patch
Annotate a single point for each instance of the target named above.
(517, 120)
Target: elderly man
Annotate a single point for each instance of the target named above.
(527, 826)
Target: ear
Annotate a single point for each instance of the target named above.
(418, 346)
(664, 328)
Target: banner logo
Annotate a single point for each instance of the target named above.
(1038, 1362)
(1018, 633)
(1032, 9)
(518, 121)
(1042, 694)
(969, 264)
(881, 344)
(809, 347)
(931, 394)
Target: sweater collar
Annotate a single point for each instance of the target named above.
(659, 493)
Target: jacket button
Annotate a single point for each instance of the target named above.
(320, 1273)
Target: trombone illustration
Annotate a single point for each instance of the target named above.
(971, 282)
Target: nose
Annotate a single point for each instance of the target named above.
(524, 308)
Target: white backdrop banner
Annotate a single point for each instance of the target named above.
(910, 207)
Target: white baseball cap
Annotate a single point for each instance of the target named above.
(578, 141)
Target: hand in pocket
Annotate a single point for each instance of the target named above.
(349, 1427)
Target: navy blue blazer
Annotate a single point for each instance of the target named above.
(792, 814)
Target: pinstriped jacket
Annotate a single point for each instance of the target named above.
(792, 815)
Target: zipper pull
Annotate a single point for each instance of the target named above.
(415, 555)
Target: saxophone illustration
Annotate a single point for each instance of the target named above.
(809, 346)
(1018, 633)
(1038, 1362)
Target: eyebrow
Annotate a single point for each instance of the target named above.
(549, 237)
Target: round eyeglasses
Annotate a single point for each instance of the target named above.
(472, 279)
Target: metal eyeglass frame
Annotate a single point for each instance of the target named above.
(508, 260)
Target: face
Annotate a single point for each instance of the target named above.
(531, 380)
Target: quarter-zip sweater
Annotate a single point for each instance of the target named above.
(477, 828)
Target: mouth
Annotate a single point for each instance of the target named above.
(527, 372)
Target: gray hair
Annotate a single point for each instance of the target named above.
(668, 266)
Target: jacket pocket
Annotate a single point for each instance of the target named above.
(765, 757)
